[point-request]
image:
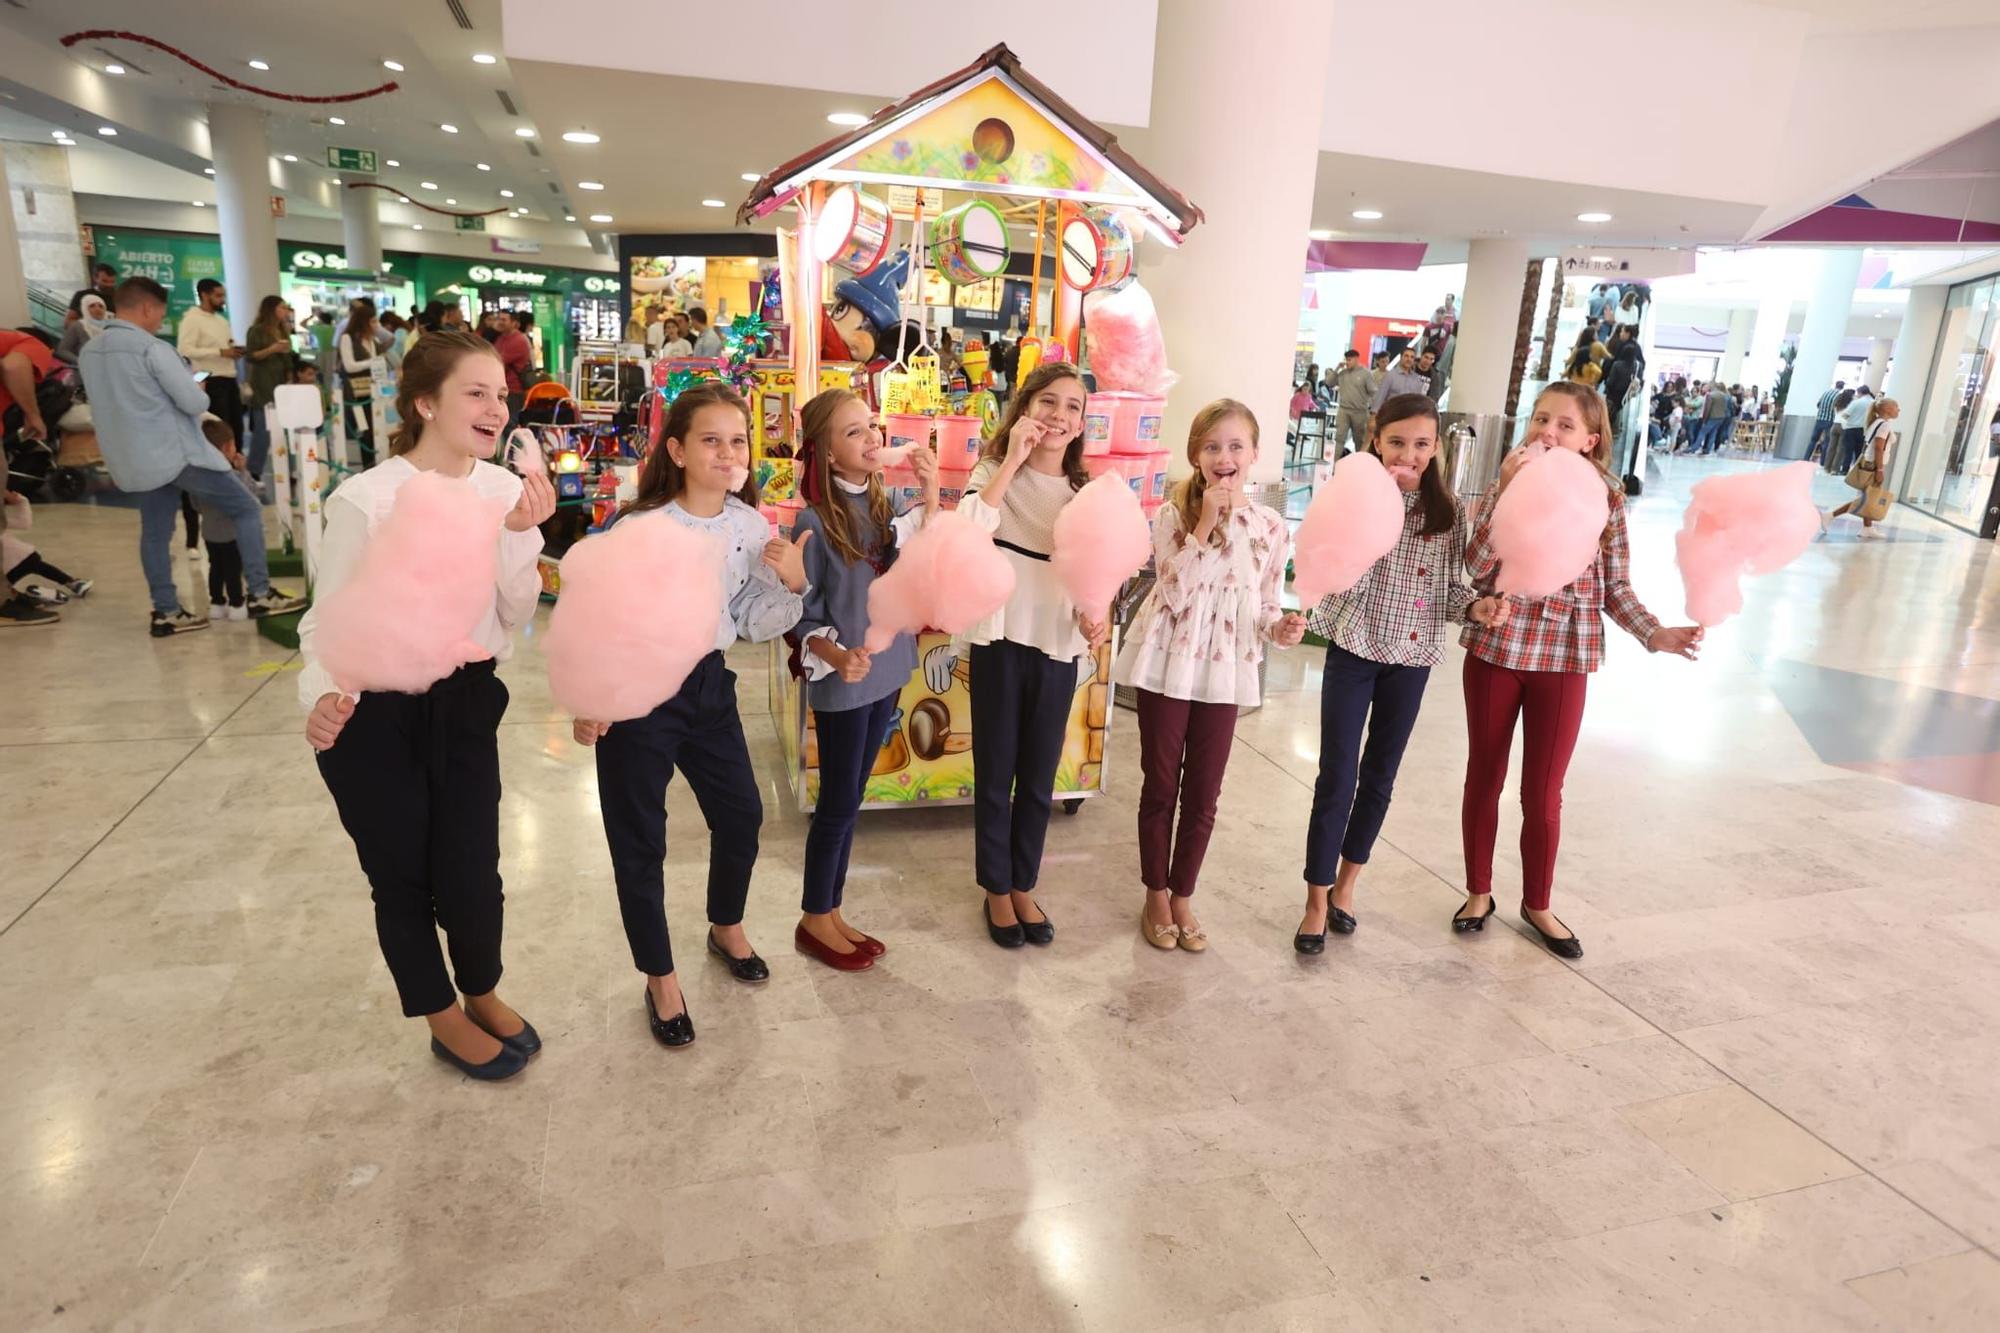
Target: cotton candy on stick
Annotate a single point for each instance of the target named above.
(1751, 522)
(404, 620)
(1127, 349)
(950, 577)
(1355, 518)
(1547, 523)
(639, 608)
(1101, 538)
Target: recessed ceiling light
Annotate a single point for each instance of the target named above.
(600, 217)
(60, 134)
(1319, 234)
(404, 197)
(416, 226)
(208, 171)
(1593, 217)
(848, 118)
(579, 136)
(506, 194)
(590, 185)
(258, 64)
(107, 131)
(451, 201)
(482, 166)
(449, 129)
(569, 217)
(524, 132)
(481, 58)
(291, 157)
(1367, 214)
(335, 120)
(198, 203)
(394, 163)
(396, 65)
(427, 185)
(713, 203)
(114, 69)
(751, 176)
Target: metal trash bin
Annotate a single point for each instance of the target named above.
(1473, 444)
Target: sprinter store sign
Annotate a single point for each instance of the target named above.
(482, 274)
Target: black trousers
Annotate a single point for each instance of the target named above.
(1356, 691)
(225, 574)
(849, 741)
(698, 732)
(193, 517)
(416, 778)
(1021, 699)
(225, 399)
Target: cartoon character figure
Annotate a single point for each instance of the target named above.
(866, 316)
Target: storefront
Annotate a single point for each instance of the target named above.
(177, 262)
(315, 278)
(1952, 437)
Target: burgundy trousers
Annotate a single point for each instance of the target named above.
(1550, 704)
(1183, 748)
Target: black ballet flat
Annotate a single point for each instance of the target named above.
(1339, 922)
(1309, 944)
(1039, 932)
(1007, 937)
(504, 1065)
(1571, 947)
(527, 1041)
(1473, 925)
(752, 969)
(675, 1031)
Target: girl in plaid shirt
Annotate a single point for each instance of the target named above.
(1383, 635)
(1533, 665)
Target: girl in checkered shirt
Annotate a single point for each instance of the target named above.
(1534, 665)
(1383, 636)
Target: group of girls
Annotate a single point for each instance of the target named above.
(416, 777)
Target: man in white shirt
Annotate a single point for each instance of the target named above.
(707, 342)
(1854, 426)
(205, 340)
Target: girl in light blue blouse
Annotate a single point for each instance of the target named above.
(698, 476)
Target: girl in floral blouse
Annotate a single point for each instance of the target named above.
(1383, 636)
(1193, 653)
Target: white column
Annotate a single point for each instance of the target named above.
(360, 226)
(1767, 339)
(1819, 348)
(1495, 269)
(1250, 253)
(1737, 345)
(1909, 374)
(13, 270)
(1878, 364)
(243, 208)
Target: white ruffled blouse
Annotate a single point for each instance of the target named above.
(1200, 634)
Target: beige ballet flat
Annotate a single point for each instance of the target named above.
(1160, 937)
(1194, 941)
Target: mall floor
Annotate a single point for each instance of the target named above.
(1766, 1098)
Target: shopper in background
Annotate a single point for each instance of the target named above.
(707, 342)
(1878, 438)
(92, 311)
(416, 777)
(1427, 366)
(1532, 669)
(676, 344)
(225, 557)
(517, 356)
(1586, 358)
(1354, 393)
(1705, 428)
(1823, 429)
(1194, 654)
(656, 330)
(267, 363)
(147, 410)
(24, 360)
(357, 357)
(103, 281)
(205, 341)
(1854, 421)
(1403, 378)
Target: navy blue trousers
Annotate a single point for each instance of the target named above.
(849, 740)
(1351, 796)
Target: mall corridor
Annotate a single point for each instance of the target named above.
(1763, 1099)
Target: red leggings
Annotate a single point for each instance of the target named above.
(1552, 703)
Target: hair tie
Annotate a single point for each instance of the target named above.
(805, 467)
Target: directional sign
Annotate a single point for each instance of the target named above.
(360, 160)
(468, 224)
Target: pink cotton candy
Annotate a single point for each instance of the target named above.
(405, 619)
(1102, 538)
(1547, 523)
(639, 608)
(1127, 349)
(1355, 518)
(1752, 522)
(950, 577)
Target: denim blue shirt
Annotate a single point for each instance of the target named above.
(146, 407)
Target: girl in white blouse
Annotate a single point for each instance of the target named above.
(1024, 657)
(1193, 655)
(416, 777)
(698, 475)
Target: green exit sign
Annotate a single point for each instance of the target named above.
(351, 159)
(468, 224)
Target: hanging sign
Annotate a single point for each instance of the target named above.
(1596, 263)
(903, 200)
(468, 224)
(359, 160)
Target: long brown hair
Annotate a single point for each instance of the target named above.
(1040, 378)
(1189, 492)
(1440, 505)
(817, 485)
(661, 479)
(425, 369)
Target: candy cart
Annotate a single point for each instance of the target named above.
(983, 174)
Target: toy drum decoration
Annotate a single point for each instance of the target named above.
(969, 243)
(853, 231)
(1096, 251)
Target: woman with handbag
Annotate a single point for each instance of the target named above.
(1870, 473)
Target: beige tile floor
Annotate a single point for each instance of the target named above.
(1765, 1099)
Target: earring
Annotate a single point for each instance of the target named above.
(427, 416)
